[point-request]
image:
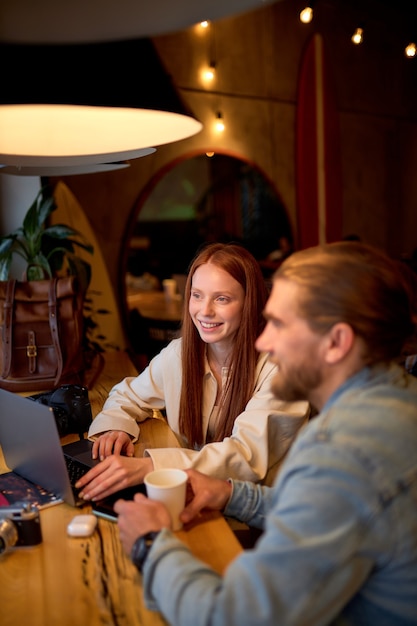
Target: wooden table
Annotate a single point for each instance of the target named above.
(90, 581)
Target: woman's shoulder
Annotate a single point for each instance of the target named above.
(264, 365)
(171, 350)
(166, 362)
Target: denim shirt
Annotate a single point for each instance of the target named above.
(340, 525)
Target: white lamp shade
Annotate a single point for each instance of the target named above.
(72, 21)
(66, 170)
(103, 103)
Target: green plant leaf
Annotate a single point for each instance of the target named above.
(5, 267)
(80, 268)
(31, 223)
(6, 244)
(60, 231)
(36, 272)
(38, 268)
(45, 207)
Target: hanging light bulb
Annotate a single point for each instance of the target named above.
(204, 24)
(306, 15)
(357, 36)
(219, 126)
(209, 72)
(410, 50)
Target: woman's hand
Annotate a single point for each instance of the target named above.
(138, 517)
(112, 442)
(114, 473)
(208, 493)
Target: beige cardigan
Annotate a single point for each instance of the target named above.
(261, 436)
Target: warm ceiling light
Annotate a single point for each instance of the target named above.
(410, 50)
(103, 103)
(357, 36)
(204, 24)
(306, 14)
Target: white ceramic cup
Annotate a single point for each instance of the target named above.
(170, 288)
(168, 486)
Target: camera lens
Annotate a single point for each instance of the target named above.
(8, 535)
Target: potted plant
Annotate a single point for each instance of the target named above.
(48, 250)
(42, 329)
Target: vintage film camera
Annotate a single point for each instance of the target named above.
(19, 526)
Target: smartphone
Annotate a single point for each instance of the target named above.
(104, 508)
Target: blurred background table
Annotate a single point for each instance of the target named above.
(154, 320)
(155, 305)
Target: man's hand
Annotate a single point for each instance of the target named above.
(138, 517)
(112, 442)
(114, 473)
(143, 515)
(208, 493)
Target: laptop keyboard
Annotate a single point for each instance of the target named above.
(75, 469)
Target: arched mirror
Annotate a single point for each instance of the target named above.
(196, 200)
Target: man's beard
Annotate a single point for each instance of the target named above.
(297, 384)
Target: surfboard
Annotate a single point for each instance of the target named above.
(318, 150)
(109, 332)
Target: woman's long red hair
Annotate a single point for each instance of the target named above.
(244, 268)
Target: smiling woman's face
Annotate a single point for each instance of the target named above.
(216, 303)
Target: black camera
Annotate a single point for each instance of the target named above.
(20, 525)
(71, 407)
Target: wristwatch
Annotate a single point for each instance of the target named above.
(141, 548)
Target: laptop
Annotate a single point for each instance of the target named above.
(32, 449)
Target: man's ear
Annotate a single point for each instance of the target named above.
(340, 340)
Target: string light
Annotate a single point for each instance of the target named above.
(209, 72)
(357, 36)
(306, 15)
(208, 75)
(219, 124)
(410, 50)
